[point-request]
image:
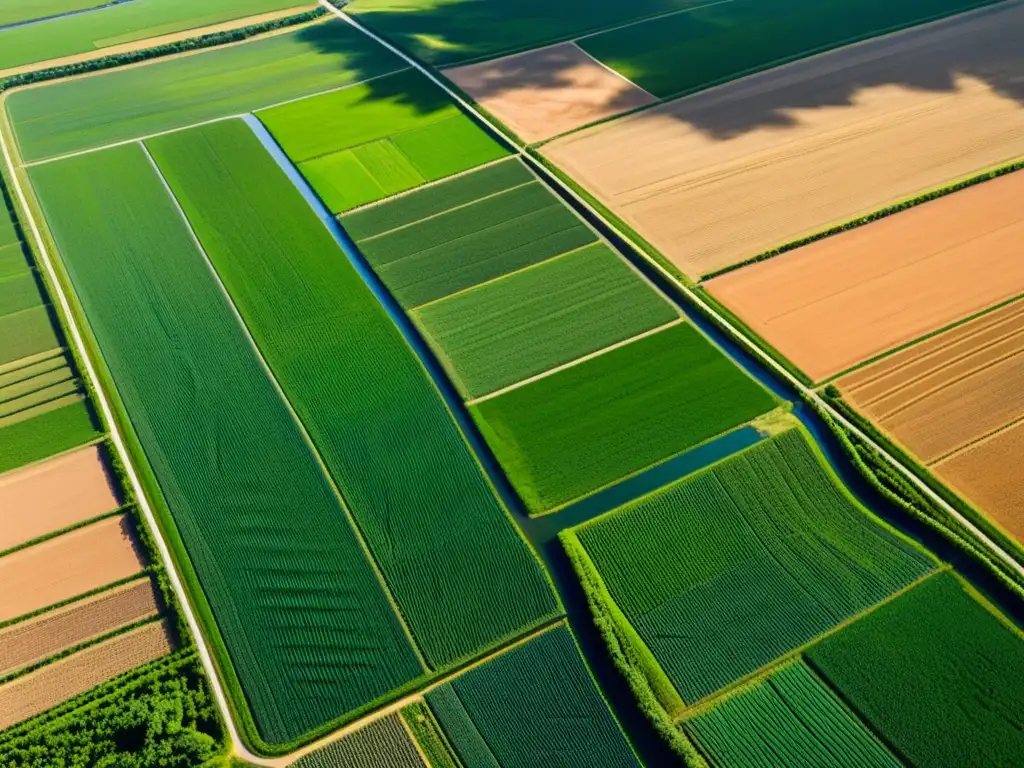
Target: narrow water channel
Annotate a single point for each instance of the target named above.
(100, 6)
(543, 532)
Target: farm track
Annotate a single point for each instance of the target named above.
(189, 614)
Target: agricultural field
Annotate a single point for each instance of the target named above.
(935, 673)
(128, 22)
(775, 157)
(360, 392)
(378, 138)
(20, 11)
(744, 562)
(523, 324)
(534, 705)
(464, 232)
(128, 103)
(549, 91)
(620, 412)
(384, 743)
(955, 402)
(135, 268)
(53, 495)
(792, 719)
(882, 285)
(449, 33)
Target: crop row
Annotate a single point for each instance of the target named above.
(382, 740)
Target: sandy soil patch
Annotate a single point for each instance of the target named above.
(68, 565)
(729, 173)
(31, 641)
(52, 495)
(152, 42)
(848, 298)
(988, 475)
(542, 93)
(27, 696)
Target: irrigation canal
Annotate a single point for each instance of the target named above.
(98, 7)
(543, 531)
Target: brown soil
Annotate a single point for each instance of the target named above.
(152, 42)
(731, 172)
(988, 474)
(847, 298)
(46, 635)
(549, 91)
(27, 696)
(52, 495)
(66, 566)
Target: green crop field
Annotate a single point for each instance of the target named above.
(128, 103)
(383, 743)
(789, 720)
(307, 625)
(26, 333)
(427, 734)
(536, 705)
(383, 430)
(741, 563)
(52, 432)
(15, 11)
(12, 260)
(125, 23)
(529, 322)
(936, 674)
(571, 433)
(695, 49)
(444, 239)
(373, 140)
(19, 293)
(451, 31)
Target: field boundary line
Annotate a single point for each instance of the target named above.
(621, 77)
(574, 363)
(307, 439)
(98, 440)
(976, 442)
(413, 739)
(655, 17)
(713, 700)
(808, 393)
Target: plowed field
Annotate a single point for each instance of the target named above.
(27, 696)
(956, 402)
(53, 495)
(731, 172)
(66, 566)
(847, 298)
(36, 639)
(552, 90)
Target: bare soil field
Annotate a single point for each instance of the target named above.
(726, 174)
(957, 403)
(542, 93)
(28, 642)
(52, 495)
(65, 566)
(845, 299)
(27, 696)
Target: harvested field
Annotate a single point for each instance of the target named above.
(887, 283)
(66, 566)
(27, 696)
(731, 172)
(50, 633)
(542, 93)
(950, 401)
(53, 495)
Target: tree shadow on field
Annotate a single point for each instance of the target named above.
(945, 57)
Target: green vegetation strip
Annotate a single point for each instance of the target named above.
(789, 719)
(382, 428)
(13, 261)
(54, 432)
(428, 735)
(535, 705)
(936, 674)
(741, 563)
(456, 243)
(114, 106)
(16, 11)
(373, 140)
(567, 435)
(690, 51)
(26, 333)
(508, 330)
(310, 632)
(124, 23)
(19, 293)
(384, 743)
